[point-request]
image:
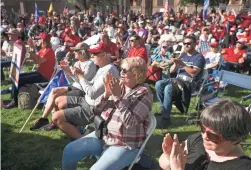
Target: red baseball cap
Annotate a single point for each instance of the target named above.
(43, 36)
(98, 49)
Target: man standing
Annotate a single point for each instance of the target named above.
(189, 66)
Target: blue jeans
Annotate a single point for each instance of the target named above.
(164, 95)
(111, 157)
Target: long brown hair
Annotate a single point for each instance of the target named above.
(46, 43)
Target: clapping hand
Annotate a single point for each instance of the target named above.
(31, 43)
(77, 72)
(174, 154)
(107, 80)
(178, 61)
(64, 65)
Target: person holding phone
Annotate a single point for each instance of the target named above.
(189, 68)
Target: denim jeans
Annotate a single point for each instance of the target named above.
(111, 157)
(164, 95)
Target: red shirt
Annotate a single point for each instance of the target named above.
(46, 68)
(112, 47)
(74, 39)
(138, 52)
(231, 56)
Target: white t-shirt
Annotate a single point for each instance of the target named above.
(212, 58)
(55, 43)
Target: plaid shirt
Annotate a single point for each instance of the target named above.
(130, 119)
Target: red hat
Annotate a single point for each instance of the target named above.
(98, 49)
(43, 36)
(233, 29)
(214, 44)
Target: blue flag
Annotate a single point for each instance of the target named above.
(59, 80)
(36, 13)
(206, 6)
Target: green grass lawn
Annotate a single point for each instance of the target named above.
(40, 150)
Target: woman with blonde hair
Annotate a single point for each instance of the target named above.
(83, 66)
(125, 106)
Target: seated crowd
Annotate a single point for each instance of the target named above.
(109, 88)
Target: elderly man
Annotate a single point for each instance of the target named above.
(190, 66)
(76, 111)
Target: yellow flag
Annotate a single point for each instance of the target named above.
(50, 8)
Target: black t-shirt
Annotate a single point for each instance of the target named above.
(197, 159)
(196, 60)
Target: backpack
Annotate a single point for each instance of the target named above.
(28, 96)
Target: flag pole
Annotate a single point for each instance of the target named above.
(38, 101)
(29, 116)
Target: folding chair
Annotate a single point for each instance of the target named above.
(149, 132)
(196, 93)
(228, 77)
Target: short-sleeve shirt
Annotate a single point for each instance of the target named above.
(212, 58)
(197, 158)
(46, 68)
(138, 52)
(230, 56)
(196, 60)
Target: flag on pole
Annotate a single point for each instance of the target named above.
(167, 6)
(59, 80)
(50, 8)
(66, 10)
(36, 12)
(206, 6)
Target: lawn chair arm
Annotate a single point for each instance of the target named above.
(246, 97)
(209, 84)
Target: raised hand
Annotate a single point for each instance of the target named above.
(115, 87)
(31, 43)
(167, 145)
(107, 80)
(178, 155)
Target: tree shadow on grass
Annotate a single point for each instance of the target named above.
(24, 151)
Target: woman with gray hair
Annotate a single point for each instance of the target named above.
(83, 66)
(224, 125)
(125, 106)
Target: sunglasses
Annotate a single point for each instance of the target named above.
(164, 46)
(215, 138)
(187, 44)
(125, 70)
(132, 40)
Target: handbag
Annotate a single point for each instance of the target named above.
(101, 125)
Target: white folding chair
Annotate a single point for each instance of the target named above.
(149, 132)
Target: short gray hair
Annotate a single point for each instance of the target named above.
(228, 118)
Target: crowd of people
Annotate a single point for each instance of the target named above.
(106, 59)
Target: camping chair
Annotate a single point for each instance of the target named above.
(228, 77)
(197, 92)
(149, 132)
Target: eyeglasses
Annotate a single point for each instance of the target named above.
(132, 40)
(187, 44)
(125, 70)
(215, 138)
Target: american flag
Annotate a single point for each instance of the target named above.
(167, 6)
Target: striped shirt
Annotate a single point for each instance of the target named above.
(130, 119)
